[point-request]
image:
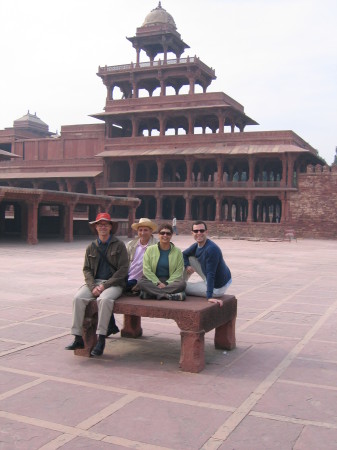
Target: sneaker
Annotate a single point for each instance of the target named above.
(180, 297)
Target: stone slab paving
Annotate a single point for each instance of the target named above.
(276, 390)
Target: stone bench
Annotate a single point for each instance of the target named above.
(194, 316)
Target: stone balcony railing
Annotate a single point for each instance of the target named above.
(193, 184)
(158, 63)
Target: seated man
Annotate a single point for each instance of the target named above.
(136, 249)
(105, 269)
(205, 258)
(163, 269)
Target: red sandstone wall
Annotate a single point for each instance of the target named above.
(313, 209)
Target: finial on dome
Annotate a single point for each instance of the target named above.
(159, 5)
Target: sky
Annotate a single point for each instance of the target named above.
(278, 58)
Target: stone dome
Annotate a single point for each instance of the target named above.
(159, 16)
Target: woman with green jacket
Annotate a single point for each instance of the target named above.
(163, 268)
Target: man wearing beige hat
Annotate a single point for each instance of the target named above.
(105, 270)
(136, 249)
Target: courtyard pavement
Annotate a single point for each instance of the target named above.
(276, 390)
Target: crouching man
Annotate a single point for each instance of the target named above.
(205, 258)
(105, 270)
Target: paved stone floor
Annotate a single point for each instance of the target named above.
(276, 390)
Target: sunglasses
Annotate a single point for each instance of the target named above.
(199, 231)
(168, 233)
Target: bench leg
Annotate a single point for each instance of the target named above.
(89, 336)
(132, 326)
(224, 337)
(192, 356)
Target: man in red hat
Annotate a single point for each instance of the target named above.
(105, 270)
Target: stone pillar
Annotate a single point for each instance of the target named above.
(220, 171)
(190, 124)
(32, 221)
(138, 55)
(106, 171)
(134, 89)
(68, 222)
(165, 48)
(132, 173)
(188, 172)
(159, 207)
(221, 123)
(134, 123)
(160, 172)
(284, 170)
(250, 208)
(229, 215)
(161, 125)
(187, 207)
(162, 88)
(290, 177)
(69, 185)
(251, 163)
(218, 200)
(132, 219)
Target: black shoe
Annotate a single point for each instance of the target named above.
(112, 330)
(180, 297)
(112, 327)
(99, 347)
(78, 343)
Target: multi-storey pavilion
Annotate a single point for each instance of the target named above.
(185, 153)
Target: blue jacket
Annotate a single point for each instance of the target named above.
(212, 264)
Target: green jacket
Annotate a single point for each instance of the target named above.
(117, 257)
(151, 258)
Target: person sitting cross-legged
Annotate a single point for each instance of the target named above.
(163, 269)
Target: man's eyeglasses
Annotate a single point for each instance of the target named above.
(199, 231)
(103, 224)
(168, 233)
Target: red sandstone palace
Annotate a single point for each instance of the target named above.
(165, 147)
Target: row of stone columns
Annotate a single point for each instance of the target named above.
(163, 117)
(246, 211)
(286, 180)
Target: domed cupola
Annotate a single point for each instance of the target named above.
(159, 16)
(157, 35)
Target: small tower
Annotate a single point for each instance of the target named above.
(158, 34)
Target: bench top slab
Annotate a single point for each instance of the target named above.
(193, 314)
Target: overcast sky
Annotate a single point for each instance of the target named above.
(278, 58)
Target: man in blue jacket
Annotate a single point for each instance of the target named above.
(205, 258)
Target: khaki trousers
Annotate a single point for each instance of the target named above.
(105, 303)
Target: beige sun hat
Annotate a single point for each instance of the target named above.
(144, 222)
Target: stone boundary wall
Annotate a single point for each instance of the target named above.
(313, 208)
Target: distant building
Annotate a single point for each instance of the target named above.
(183, 151)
